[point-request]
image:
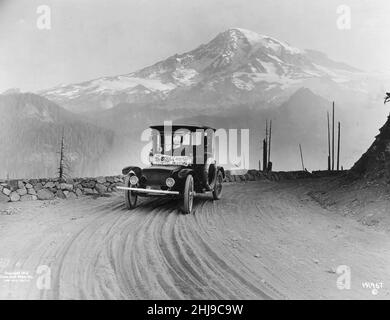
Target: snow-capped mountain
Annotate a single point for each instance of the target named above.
(238, 66)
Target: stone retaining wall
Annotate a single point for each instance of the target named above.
(254, 175)
(326, 173)
(48, 189)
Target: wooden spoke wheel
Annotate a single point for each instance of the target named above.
(188, 196)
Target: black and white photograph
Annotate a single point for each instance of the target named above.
(193, 150)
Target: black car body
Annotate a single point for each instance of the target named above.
(192, 171)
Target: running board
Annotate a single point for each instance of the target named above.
(153, 191)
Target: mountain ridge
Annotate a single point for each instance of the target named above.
(30, 137)
(237, 65)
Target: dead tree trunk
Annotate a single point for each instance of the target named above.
(265, 148)
(63, 168)
(329, 165)
(269, 165)
(333, 137)
(62, 160)
(300, 149)
(264, 155)
(338, 147)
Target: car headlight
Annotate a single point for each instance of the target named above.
(170, 182)
(133, 180)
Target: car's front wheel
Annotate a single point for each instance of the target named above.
(188, 196)
(130, 196)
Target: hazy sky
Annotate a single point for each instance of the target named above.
(94, 38)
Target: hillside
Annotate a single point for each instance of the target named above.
(375, 163)
(290, 128)
(31, 128)
(300, 119)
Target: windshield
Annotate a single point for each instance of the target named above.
(179, 140)
(182, 146)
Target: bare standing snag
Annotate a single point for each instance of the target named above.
(182, 165)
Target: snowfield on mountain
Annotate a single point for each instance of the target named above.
(237, 66)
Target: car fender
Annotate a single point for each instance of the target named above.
(129, 169)
(222, 170)
(183, 173)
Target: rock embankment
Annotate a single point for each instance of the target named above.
(254, 175)
(48, 189)
(374, 165)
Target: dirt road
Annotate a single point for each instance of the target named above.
(263, 240)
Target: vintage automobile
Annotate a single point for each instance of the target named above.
(182, 166)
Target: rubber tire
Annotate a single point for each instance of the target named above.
(130, 196)
(188, 198)
(217, 193)
(206, 176)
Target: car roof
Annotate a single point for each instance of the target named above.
(175, 127)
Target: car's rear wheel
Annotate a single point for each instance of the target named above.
(130, 196)
(217, 191)
(188, 196)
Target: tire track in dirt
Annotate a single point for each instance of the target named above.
(151, 252)
(255, 243)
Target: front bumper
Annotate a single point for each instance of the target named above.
(150, 191)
